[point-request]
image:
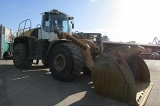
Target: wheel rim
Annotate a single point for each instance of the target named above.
(59, 62)
(17, 56)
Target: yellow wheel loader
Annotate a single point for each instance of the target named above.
(118, 73)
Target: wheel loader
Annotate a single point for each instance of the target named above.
(118, 73)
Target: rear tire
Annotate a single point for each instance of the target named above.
(20, 57)
(5, 55)
(66, 62)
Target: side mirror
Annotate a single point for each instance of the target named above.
(72, 24)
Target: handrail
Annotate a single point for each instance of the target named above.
(25, 22)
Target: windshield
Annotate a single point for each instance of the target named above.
(59, 22)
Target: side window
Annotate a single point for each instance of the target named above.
(65, 26)
(46, 24)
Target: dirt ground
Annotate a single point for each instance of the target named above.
(37, 87)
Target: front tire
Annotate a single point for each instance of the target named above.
(20, 57)
(66, 62)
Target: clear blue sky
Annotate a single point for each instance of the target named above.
(121, 20)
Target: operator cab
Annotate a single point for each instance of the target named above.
(55, 20)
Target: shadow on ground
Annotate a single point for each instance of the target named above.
(37, 87)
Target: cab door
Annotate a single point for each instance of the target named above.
(48, 28)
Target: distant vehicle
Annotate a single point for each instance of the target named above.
(105, 38)
(6, 41)
(155, 55)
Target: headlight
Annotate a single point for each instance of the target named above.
(70, 18)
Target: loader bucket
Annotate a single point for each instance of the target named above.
(121, 74)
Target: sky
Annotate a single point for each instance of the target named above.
(120, 20)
